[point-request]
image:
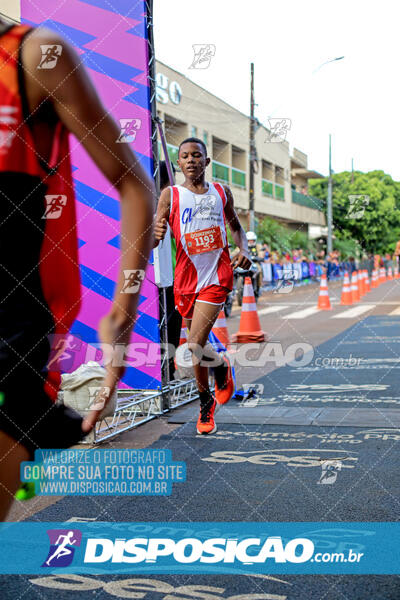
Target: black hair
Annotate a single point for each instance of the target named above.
(164, 177)
(195, 141)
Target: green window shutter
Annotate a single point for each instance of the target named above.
(239, 178)
(267, 188)
(279, 191)
(220, 172)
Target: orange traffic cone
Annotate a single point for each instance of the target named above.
(346, 299)
(390, 274)
(323, 298)
(361, 283)
(374, 283)
(220, 329)
(396, 272)
(382, 278)
(365, 276)
(249, 327)
(367, 284)
(355, 294)
(183, 336)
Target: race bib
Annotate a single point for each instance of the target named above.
(204, 240)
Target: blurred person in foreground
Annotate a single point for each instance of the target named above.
(40, 286)
(174, 319)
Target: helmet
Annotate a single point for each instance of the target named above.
(251, 236)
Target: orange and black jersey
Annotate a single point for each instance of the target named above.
(39, 272)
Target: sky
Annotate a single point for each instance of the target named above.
(356, 99)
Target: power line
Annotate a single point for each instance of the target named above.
(8, 18)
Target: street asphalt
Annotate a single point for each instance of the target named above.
(297, 451)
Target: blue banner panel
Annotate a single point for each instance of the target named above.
(212, 548)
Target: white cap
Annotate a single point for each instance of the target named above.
(251, 236)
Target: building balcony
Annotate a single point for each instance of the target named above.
(274, 190)
(279, 192)
(239, 178)
(308, 201)
(267, 187)
(220, 172)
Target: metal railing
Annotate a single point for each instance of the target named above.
(279, 191)
(136, 407)
(267, 187)
(308, 201)
(239, 178)
(220, 171)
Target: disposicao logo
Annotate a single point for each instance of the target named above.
(62, 547)
(191, 550)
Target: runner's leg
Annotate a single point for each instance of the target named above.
(204, 317)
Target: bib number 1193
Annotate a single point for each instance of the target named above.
(204, 240)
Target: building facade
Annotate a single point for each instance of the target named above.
(281, 179)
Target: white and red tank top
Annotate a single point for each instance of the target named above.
(198, 225)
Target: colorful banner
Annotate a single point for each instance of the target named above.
(111, 39)
(196, 547)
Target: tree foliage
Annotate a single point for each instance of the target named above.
(281, 238)
(373, 222)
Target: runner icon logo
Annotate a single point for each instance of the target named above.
(64, 352)
(278, 129)
(62, 547)
(286, 284)
(133, 279)
(50, 55)
(98, 397)
(54, 205)
(252, 390)
(203, 206)
(203, 209)
(129, 128)
(7, 120)
(358, 202)
(203, 54)
(330, 470)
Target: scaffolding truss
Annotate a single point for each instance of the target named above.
(136, 407)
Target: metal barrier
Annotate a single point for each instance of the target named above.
(136, 407)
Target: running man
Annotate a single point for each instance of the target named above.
(39, 268)
(197, 212)
(50, 55)
(62, 550)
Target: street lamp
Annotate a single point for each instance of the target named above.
(330, 182)
(327, 62)
(329, 203)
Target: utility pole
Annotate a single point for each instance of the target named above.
(252, 145)
(329, 205)
(352, 170)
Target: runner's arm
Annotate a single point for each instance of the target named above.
(162, 216)
(242, 259)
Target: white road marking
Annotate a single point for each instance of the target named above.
(272, 309)
(301, 314)
(354, 312)
(396, 311)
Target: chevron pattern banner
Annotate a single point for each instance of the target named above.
(110, 37)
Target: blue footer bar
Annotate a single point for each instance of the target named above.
(211, 547)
